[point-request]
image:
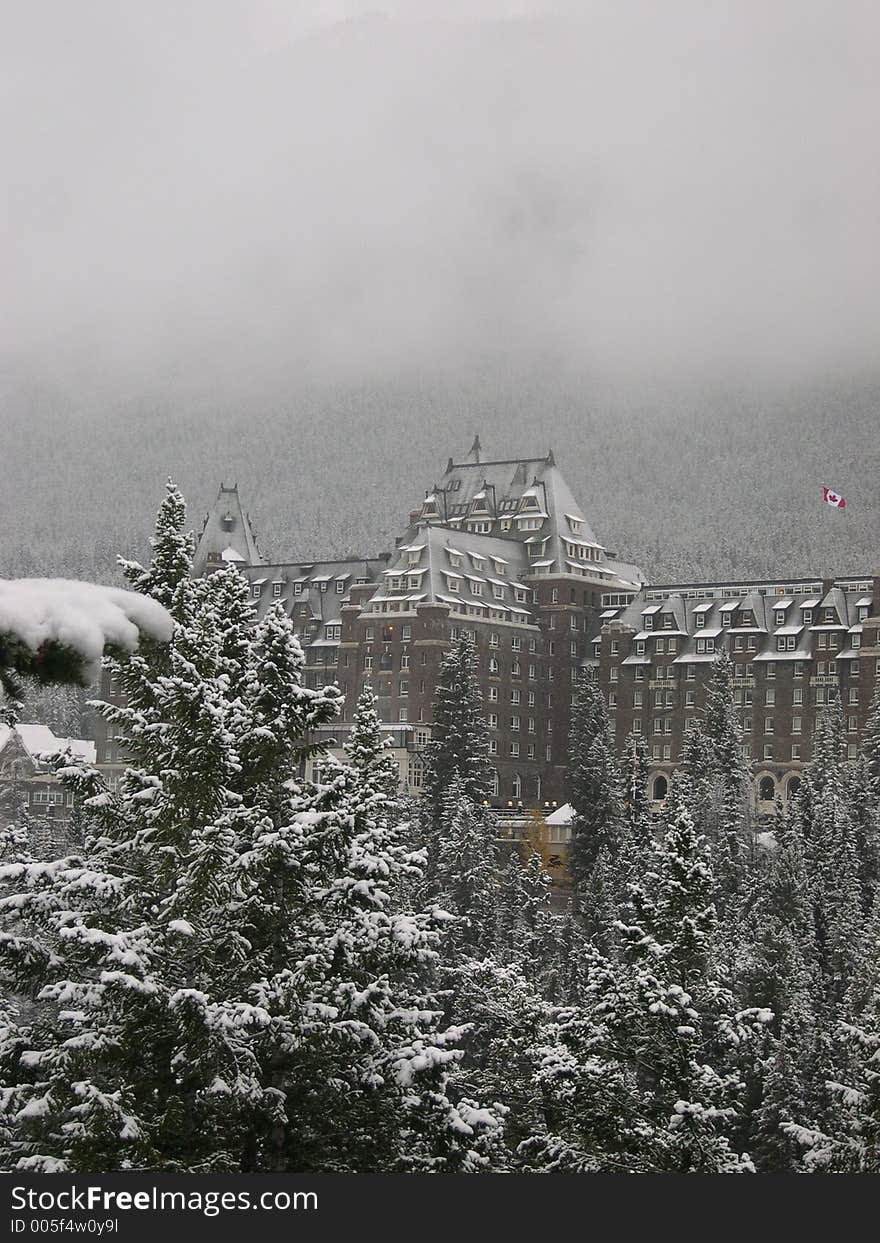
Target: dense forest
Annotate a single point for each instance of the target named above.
(238, 970)
(715, 482)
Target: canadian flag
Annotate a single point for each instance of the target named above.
(830, 497)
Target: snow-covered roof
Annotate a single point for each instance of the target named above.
(230, 554)
(39, 740)
(562, 815)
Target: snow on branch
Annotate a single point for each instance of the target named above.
(81, 619)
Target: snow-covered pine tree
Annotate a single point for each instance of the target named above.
(459, 746)
(220, 980)
(823, 817)
(368, 752)
(594, 1109)
(527, 930)
(595, 791)
(870, 739)
(728, 834)
(466, 879)
(684, 1027)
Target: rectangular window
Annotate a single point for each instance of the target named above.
(770, 697)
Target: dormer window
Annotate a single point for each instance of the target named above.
(455, 584)
(830, 616)
(649, 622)
(780, 617)
(454, 560)
(700, 619)
(808, 617)
(668, 619)
(530, 524)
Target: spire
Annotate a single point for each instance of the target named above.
(475, 451)
(227, 535)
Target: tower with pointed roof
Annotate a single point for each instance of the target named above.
(227, 535)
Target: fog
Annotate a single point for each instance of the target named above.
(239, 197)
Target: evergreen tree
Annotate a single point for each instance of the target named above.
(459, 748)
(870, 740)
(467, 871)
(725, 795)
(526, 928)
(595, 791)
(221, 976)
(684, 1027)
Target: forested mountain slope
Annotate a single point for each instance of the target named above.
(709, 483)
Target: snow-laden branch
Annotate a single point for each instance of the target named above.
(83, 618)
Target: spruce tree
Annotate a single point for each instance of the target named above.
(459, 748)
(467, 883)
(685, 1027)
(221, 979)
(594, 784)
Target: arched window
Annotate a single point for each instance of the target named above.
(794, 785)
(516, 788)
(766, 789)
(660, 788)
(493, 783)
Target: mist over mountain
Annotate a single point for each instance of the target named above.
(316, 255)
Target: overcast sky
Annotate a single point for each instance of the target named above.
(241, 188)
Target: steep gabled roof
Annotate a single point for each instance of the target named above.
(227, 535)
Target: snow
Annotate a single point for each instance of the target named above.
(563, 815)
(82, 616)
(38, 740)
